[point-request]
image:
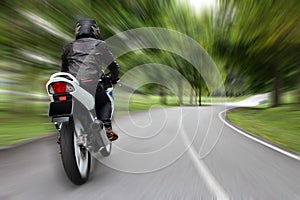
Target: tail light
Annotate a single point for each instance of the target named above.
(60, 87)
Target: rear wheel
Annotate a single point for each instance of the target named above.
(76, 158)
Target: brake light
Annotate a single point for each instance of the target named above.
(62, 98)
(60, 87)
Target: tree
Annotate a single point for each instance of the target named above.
(257, 39)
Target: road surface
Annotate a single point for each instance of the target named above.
(174, 153)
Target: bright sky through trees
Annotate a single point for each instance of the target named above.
(200, 4)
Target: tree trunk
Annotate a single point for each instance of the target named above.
(163, 98)
(276, 87)
(192, 96)
(196, 96)
(298, 90)
(200, 95)
(180, 93)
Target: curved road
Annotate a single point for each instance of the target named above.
(174, 153)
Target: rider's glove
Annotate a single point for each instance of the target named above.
(114, 72)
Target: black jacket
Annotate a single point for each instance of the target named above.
(85, 59)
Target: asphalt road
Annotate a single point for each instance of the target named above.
(174, 153)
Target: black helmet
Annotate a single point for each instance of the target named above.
(87, 28)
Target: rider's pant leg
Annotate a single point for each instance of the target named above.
(103, 106)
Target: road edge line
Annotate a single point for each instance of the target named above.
(275, 148)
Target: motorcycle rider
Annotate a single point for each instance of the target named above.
(89, 50)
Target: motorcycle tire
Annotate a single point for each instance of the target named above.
(76, 159)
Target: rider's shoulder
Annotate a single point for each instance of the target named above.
(101, 43)
(68, 46)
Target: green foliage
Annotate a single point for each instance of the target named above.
(33, 38)
(258, 39)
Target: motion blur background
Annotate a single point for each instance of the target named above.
(255, 44)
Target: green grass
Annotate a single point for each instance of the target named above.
(142, 102)
(21, 120)
(279, 125)
(18, 127)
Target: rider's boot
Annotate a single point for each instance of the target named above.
(58, 138)
(112, 136)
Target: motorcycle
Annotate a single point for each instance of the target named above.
(81, 134)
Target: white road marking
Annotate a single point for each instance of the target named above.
(203, 171)
(291, 155)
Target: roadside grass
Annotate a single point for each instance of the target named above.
(148, 102)
(22, 120)
(279, 125)
(14, 130)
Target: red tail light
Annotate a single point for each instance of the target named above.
(60, 87)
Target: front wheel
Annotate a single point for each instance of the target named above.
(76, 158)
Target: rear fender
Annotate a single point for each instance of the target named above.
(79, 93)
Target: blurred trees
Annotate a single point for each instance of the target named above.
(260, 40)
(256, 43)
